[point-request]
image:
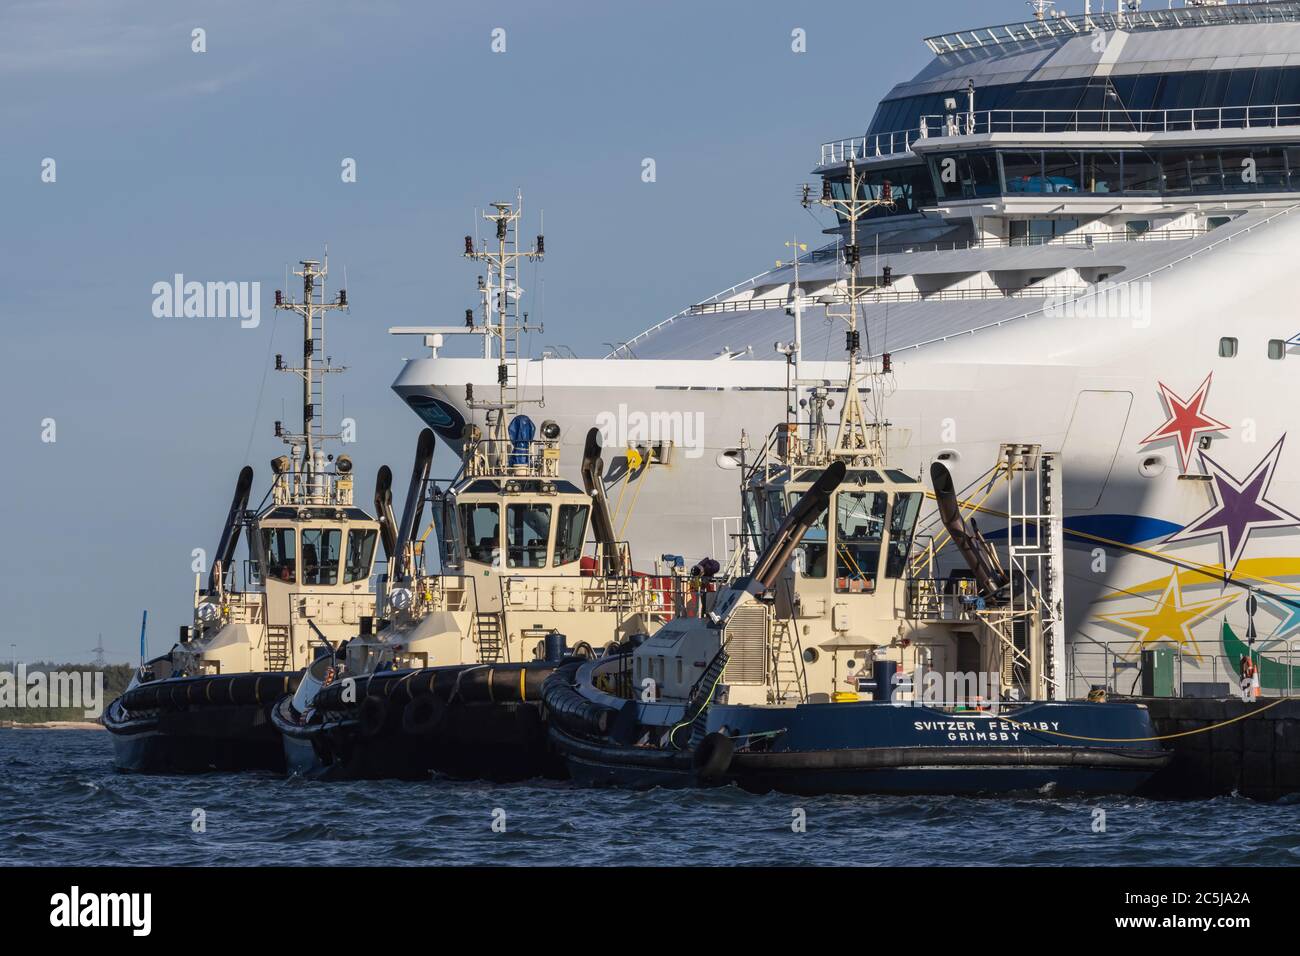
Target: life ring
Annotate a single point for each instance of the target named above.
(713, 756)
(372, 716)
(423, 715)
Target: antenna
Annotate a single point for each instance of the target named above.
(501, 293)
(306, 477)
(853, 440)
(1041, 8)
(144, 647)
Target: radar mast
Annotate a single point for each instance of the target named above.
(501, 294)
(860, 439)
(301, 476)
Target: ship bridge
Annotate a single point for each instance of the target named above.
(1154, 103)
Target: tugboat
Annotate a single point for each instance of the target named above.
(205, 704)
(451, 679)
(857, 655)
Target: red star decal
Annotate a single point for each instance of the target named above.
(1187, 420)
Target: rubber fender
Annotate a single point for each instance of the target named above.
(372, 716)
(423, 715)
(569, 708)
(713, 756)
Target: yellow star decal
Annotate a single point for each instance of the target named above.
(1170, 618)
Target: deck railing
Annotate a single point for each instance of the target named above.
(989, 122)
(1205, 119)
(889, 295)
(1066, 26)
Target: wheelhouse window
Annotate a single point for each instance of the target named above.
(570, 533)
(859, 527)
(360, 555)
(320, 555)
(281, 545)
(528, 535)
(902, 524)
(813, 544)
(481, 524)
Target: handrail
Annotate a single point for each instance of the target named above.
(1189, 119)
(685, 312)
(1035, 31)
(1011, 121)
(1145, 276)
(885, 295)
(1081, 239)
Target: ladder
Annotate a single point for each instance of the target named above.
(487, 628)
(703, 690)
(788, 676)
(277, 647)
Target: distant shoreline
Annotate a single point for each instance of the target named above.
(51, 725)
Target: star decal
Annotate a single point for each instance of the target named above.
(1170, 619)
(1290, 611)
(1239, 508)
(1187, 420)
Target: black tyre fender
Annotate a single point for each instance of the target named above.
(423, 715)
(713, 756)
(372, 716)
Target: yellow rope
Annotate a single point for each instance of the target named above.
(1125, 740)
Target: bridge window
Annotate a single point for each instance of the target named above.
(902, 522)
(320, 555)
(528, 535)
(482, 529)
(361, 554)
(281, 546)
(570, 533)
(859, 526)
(1102, 172)
(813, 544)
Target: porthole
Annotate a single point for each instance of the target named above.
(949, 455)
(1227, 347)
(1276, 349)
(810, 655)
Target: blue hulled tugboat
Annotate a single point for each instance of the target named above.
(856, 652)
(478, 607)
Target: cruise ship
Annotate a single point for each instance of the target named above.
(1086, 240)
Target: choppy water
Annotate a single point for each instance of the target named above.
(62, 803)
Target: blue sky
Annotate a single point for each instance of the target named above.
(225, 166)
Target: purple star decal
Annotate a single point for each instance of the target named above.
(1239, 508)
